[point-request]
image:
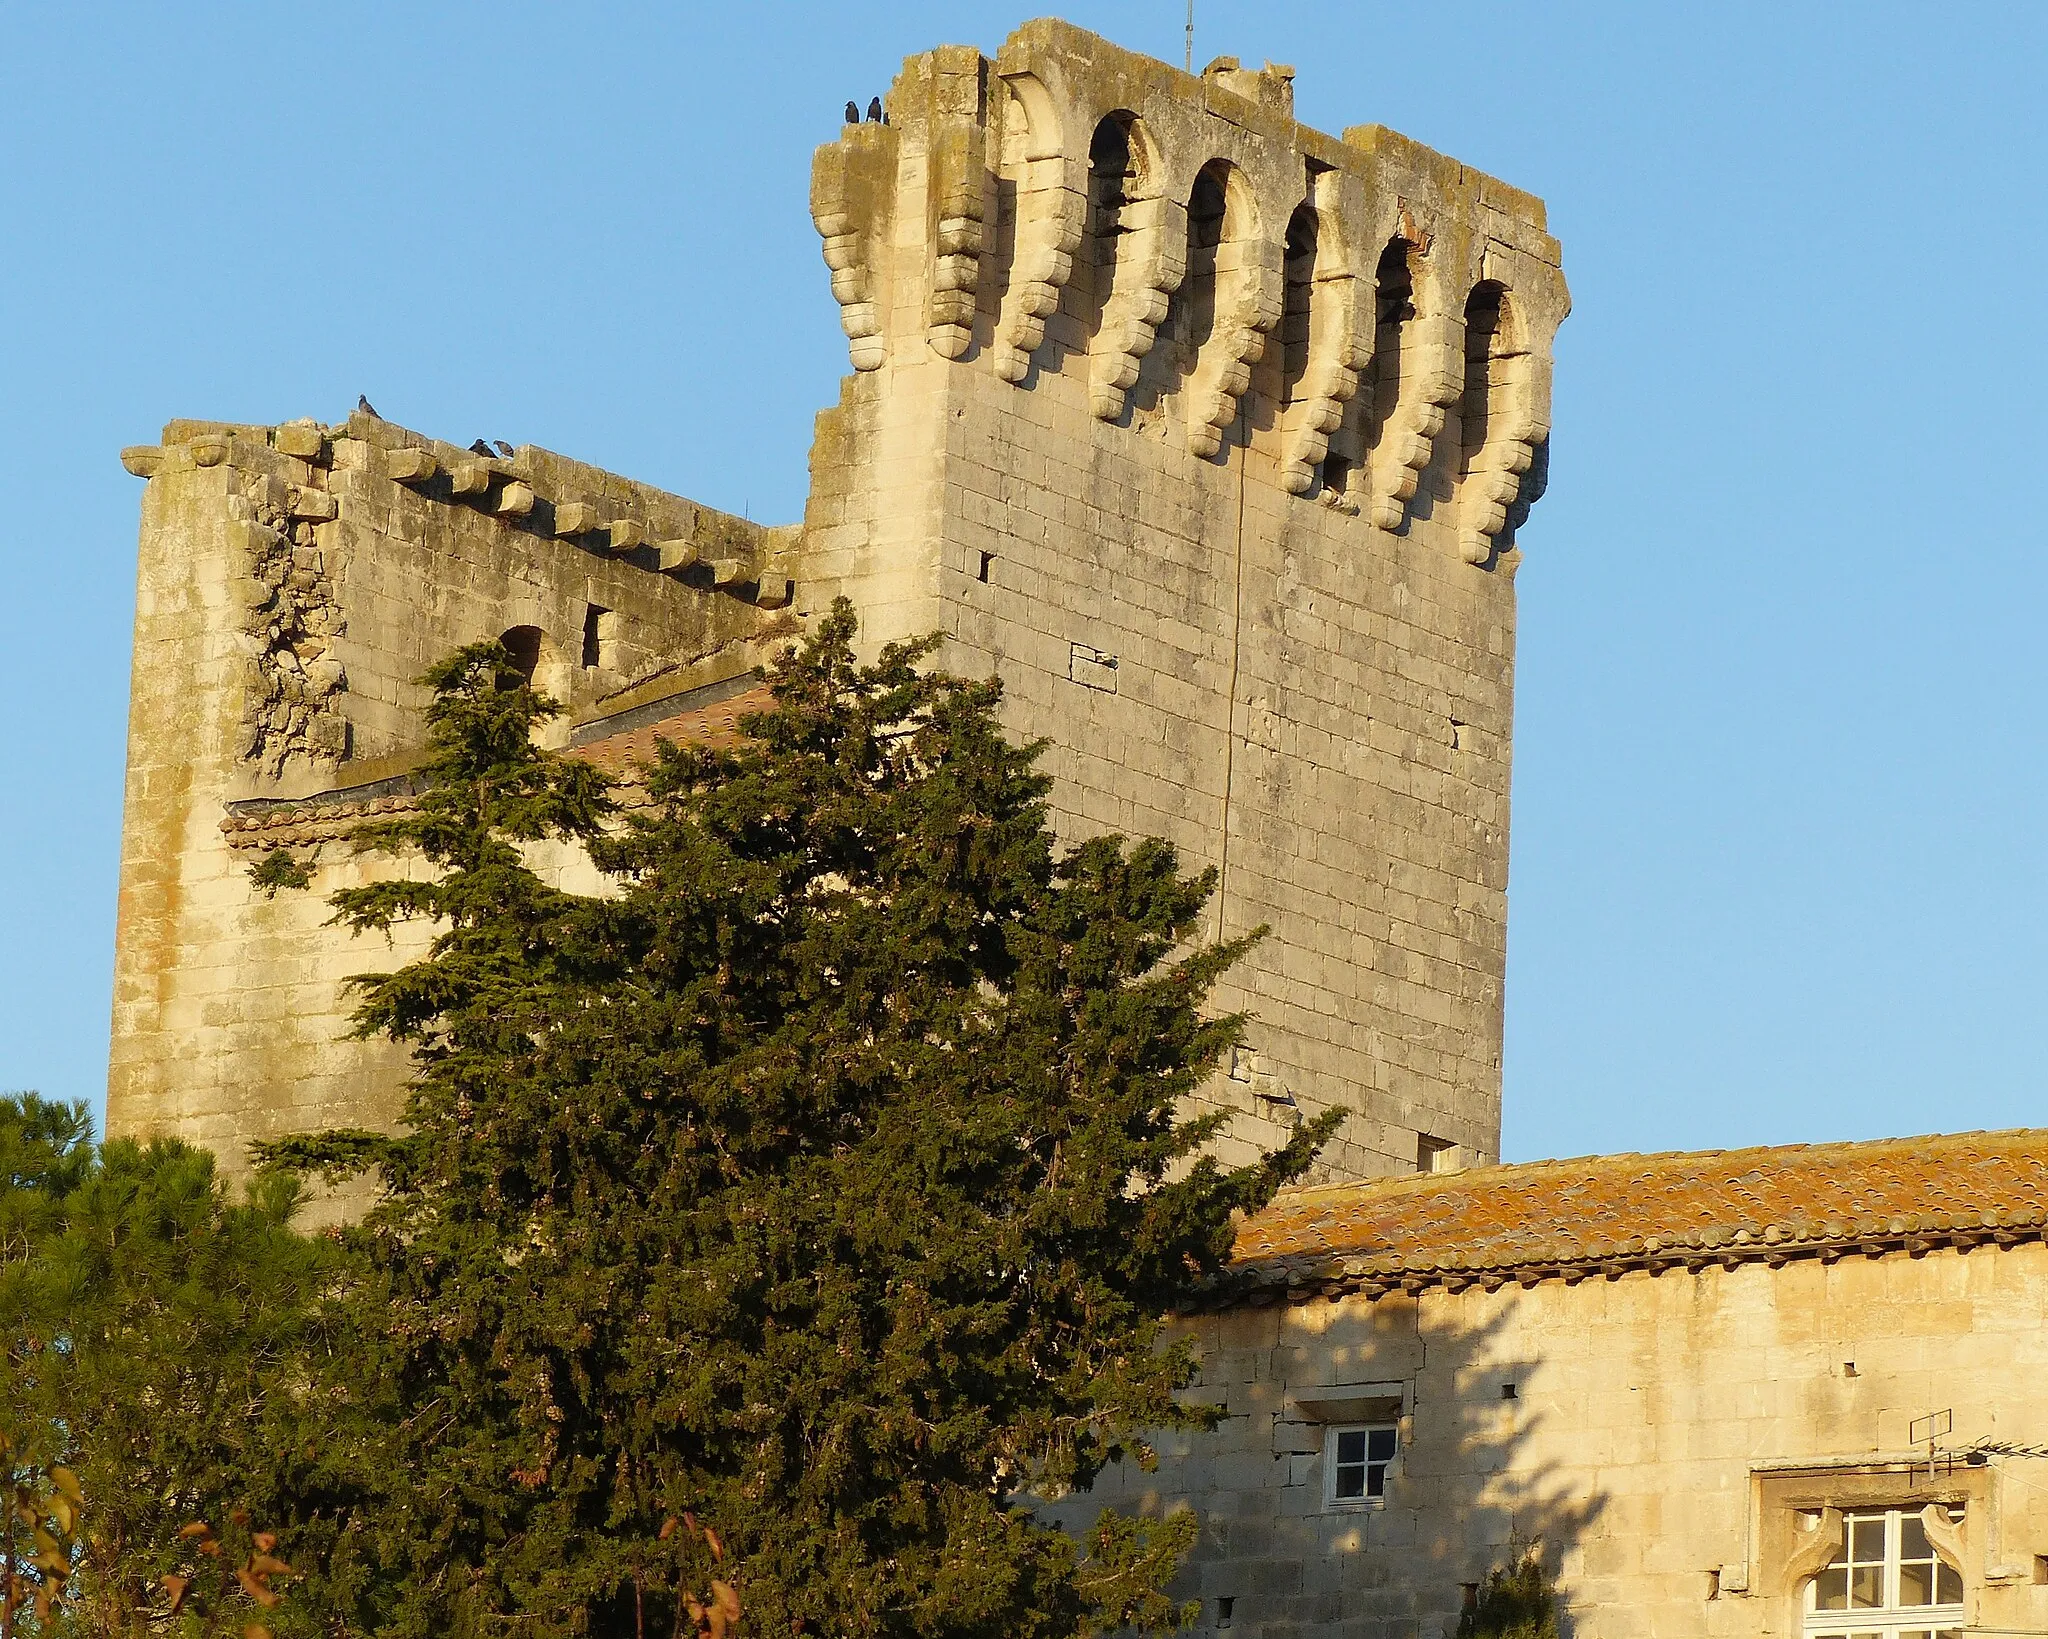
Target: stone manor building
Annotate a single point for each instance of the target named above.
(1214, 436)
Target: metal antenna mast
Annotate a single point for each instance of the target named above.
(1191, 37)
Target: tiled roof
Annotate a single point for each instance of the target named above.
(1567, 1219)
(334, 815)
(716, 725)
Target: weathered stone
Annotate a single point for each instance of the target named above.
(514, 501)
(300, 438)
(409, 465)
(576, 518)
(676, 556)
(142, 460)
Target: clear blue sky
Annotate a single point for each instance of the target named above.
(1779, 791)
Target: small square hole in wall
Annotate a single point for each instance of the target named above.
(1225, 1612)
(1510, 1391)
(2041, 1570)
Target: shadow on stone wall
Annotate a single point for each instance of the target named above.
(1474, 1485)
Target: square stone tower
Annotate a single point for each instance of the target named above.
(1207, 432)
(1210, 434)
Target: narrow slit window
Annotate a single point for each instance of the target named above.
(594, 634)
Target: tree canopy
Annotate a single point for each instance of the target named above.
(795, 1214)
(152, 1330)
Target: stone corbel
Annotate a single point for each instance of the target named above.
(1438, 338)
(852, 189)
(959, 181)
(1049, 217)
(1494, 483)
(1946, 1536)
(1813, 1555)
(1149, 269)
(1336, 359)
(1248, 297)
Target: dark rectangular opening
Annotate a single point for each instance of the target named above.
(593, 634)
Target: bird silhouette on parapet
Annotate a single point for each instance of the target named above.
(479, 448)
(853, 113)
(875, 111)
(504, 448)
(363, 403)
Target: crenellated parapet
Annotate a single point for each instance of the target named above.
(1188, 251)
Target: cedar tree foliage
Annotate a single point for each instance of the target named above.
(822, 1177)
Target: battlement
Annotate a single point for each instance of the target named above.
(1171, 233)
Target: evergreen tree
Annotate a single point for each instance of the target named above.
(1516, 1603)
(820, 1187)
(155, 1336)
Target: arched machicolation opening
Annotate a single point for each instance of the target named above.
(1297, 329)
(1393, 313)
(1486, 352)
(1193, 315)
(1112, 168)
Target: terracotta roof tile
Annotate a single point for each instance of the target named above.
(716, 725)
(1564, 1218)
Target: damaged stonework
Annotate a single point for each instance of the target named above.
(294, 584)
(294, 618)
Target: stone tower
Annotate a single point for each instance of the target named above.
(1209, 433)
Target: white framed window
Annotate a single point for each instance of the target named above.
(1885, 1582)
(1355, 1459)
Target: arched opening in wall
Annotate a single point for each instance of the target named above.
(1111, 172)
(1393, 312)
(1193, 314)
(1297, 331)
(1486, 353)
(523, 644)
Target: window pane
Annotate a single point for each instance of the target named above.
(1866, 1541)
(1948, 1586)
(1866, 1588)
(1916, 1584)
(1831, 1589)
(1376, 1480)
(1913, 1543)
(1380, 1444)
(1351, 1445)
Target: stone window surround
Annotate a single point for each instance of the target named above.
(1794, 1517)
(1332, 1436)
(1328, 1409)
(1891, 1614)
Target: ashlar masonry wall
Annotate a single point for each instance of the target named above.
(1669, 1442)
(294, 583)
(1210, 434)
